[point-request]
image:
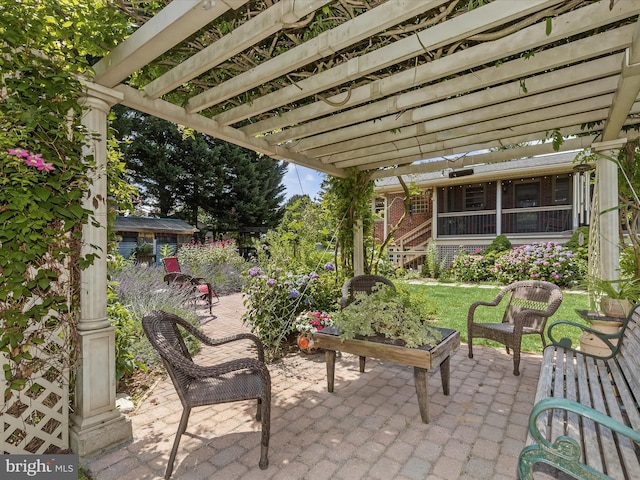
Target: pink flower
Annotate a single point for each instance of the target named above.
(31, 159)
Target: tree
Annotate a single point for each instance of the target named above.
(196, 177)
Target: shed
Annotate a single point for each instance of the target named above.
(133, 231)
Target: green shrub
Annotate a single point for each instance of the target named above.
(218, 262)
(432, 267)
(498, 247)
(468, 267)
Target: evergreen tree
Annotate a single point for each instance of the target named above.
(196, 177)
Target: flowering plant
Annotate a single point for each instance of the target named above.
(313, 321)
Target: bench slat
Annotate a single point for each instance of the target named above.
(590, 447)
(626, 447)
(600, 383)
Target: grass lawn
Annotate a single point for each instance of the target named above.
(452, 305)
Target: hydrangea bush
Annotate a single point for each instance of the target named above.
(548, 261)
(275, 296)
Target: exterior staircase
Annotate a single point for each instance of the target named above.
(409, 250)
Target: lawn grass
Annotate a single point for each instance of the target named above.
(453, 300)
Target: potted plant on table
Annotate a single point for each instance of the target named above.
(616, 297)
(395, 315)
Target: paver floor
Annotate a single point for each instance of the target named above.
(370, 428)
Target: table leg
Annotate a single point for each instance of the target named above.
(444, 375)
(330, 359)
(422, 390)
(363, 361)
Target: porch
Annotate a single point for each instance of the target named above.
(370, 428)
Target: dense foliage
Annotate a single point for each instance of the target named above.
(196, 177)
(43, 178)
(395, 314)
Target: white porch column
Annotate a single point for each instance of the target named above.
(607, 171)
(96, 424)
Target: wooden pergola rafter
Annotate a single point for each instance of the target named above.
(507, 71)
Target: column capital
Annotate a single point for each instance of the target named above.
(97, 96)
(609, 145)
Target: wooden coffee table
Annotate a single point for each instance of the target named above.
(421, 359)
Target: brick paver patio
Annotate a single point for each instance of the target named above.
(370, 428)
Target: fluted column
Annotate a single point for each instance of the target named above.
(96, 424)
(607, 171)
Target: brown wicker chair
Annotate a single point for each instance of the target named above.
(361, 284)
(231, 381)
(528, 304)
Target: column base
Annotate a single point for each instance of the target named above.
(98, 438)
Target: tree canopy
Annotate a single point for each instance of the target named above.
(198, 178)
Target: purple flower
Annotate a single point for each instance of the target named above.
(255, 271)
(293, 294)
(329, 266)
(271, 282)
(314, 275)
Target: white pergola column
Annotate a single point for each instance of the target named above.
(96, 424)
(607, 171)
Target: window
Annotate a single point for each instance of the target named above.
(527, 195)
(562, 191)
(474, 198)
(420, 203)
(379, 206)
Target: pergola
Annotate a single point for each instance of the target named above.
(395, 87)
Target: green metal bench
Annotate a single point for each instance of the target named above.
(586, 415)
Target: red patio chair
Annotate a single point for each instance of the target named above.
(175, 275)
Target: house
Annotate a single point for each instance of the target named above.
(543, 198)
(134, 231)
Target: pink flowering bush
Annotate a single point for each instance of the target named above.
(546, 261)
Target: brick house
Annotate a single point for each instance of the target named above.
(534, 199)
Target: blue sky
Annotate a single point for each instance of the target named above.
(302, 181)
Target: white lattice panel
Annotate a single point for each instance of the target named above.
(36, 419)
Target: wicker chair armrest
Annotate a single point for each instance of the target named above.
(201, 371)
(474, 305)
(235, 338)
(220, 341)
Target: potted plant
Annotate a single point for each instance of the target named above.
(617, 297)
(395, 315)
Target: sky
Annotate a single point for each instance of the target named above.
(302, 181)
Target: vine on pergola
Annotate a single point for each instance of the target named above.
(326, 18)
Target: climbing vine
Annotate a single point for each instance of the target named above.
(43, 177)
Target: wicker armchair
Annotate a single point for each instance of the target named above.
(527, 306)
(361, 284)
(196, 385)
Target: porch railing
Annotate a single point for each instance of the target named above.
(514, 220)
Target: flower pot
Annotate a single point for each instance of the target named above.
(615, 307)
(590, 343)
(306, 343)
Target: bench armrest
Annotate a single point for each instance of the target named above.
(565, 452)
(579, 409)
(566, 342)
